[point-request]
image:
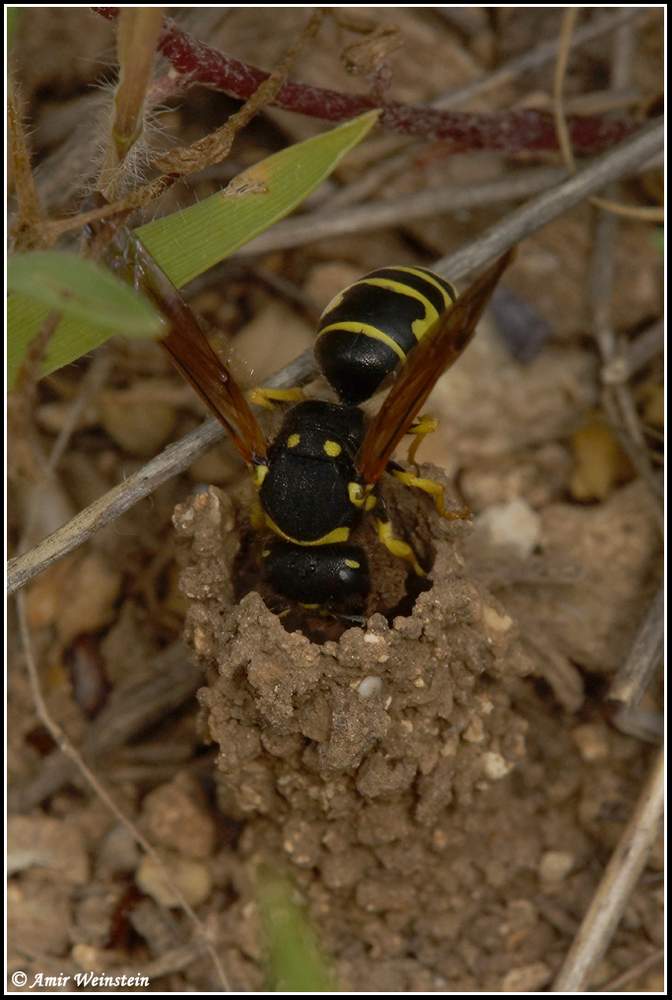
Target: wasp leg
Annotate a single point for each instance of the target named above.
(435, 490)
(266, 397)
(423, 426)
(393, 544)
(257, 519)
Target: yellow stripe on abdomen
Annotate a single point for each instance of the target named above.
(366, 330)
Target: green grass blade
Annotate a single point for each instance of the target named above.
(93, 302)
(295, 962)
(187, 243)
(81, 288)
(71, 340)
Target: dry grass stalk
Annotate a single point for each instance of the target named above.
(137, 34)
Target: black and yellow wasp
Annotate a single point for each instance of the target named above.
(319, 475)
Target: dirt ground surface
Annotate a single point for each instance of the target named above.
(445, 783)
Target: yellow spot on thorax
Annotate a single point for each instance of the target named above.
(293, 440)
(332, 449)
(352, 563)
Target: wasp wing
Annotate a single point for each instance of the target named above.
(438, 350)
(196, 360)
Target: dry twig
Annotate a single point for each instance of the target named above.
(633, 677)
(643, 213)
(396, 211)
(650, 962)
(619, 879)
(128, 714)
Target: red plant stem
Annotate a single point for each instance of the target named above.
(507, 131)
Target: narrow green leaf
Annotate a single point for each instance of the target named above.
(78, 287)
(295, 961)
(93, 302)
(187, 243)
(71, 340)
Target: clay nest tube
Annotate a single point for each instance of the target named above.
(348, 759)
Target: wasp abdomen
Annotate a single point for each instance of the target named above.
(331, 574)
(368, 329)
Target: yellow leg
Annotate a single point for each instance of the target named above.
(435, 490)
(396, 546)
(257, 519)
(266, 397)
(423, 426)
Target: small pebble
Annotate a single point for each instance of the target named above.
(514, 525)
(369, 686)
(526, 978)
(592, 742)
(474, 733)
(494, 621)
(191, 877)
(555, 866)
(495, 766)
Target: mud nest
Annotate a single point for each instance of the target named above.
(355, 762)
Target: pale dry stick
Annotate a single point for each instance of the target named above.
(620, 877)
(596, 102)
(567, 25)
(68, 750)
(650, 962)
(377, 175)
(641, 213)
(138, 32)
(621, 410)
(529, 218)
(628, 156)
(620, 75)
(617, 399)
(640, 723)
(130, 712)
(91, 382)
(635, 355)
(421, 205)
(632, 678)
